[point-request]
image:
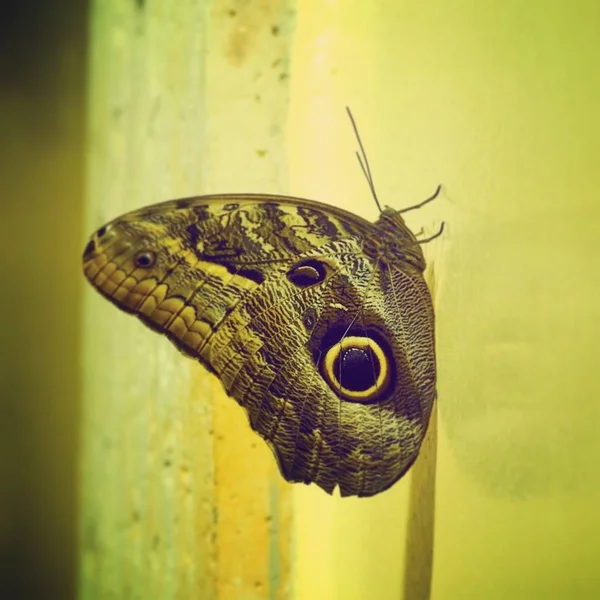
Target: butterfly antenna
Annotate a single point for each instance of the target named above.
(363, 161)
(426, 201)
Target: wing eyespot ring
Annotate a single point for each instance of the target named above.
(357, 368)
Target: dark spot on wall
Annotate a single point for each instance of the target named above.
(261, 153)
(283, 76)
(254, 21)
(141, 4)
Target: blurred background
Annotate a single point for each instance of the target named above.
(135, 104)
(43, 47)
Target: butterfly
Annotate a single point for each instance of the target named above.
(318, 322)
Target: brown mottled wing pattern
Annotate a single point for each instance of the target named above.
(317, 322)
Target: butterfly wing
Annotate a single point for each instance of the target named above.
(323, 334)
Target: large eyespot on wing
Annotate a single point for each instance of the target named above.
(358, 368)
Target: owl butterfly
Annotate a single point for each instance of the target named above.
(317, 322)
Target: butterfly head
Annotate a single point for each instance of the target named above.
(396, 241)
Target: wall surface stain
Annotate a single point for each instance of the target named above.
(246, 20)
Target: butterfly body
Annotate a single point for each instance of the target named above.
(318, 322)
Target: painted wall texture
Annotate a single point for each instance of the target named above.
(496, 101)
